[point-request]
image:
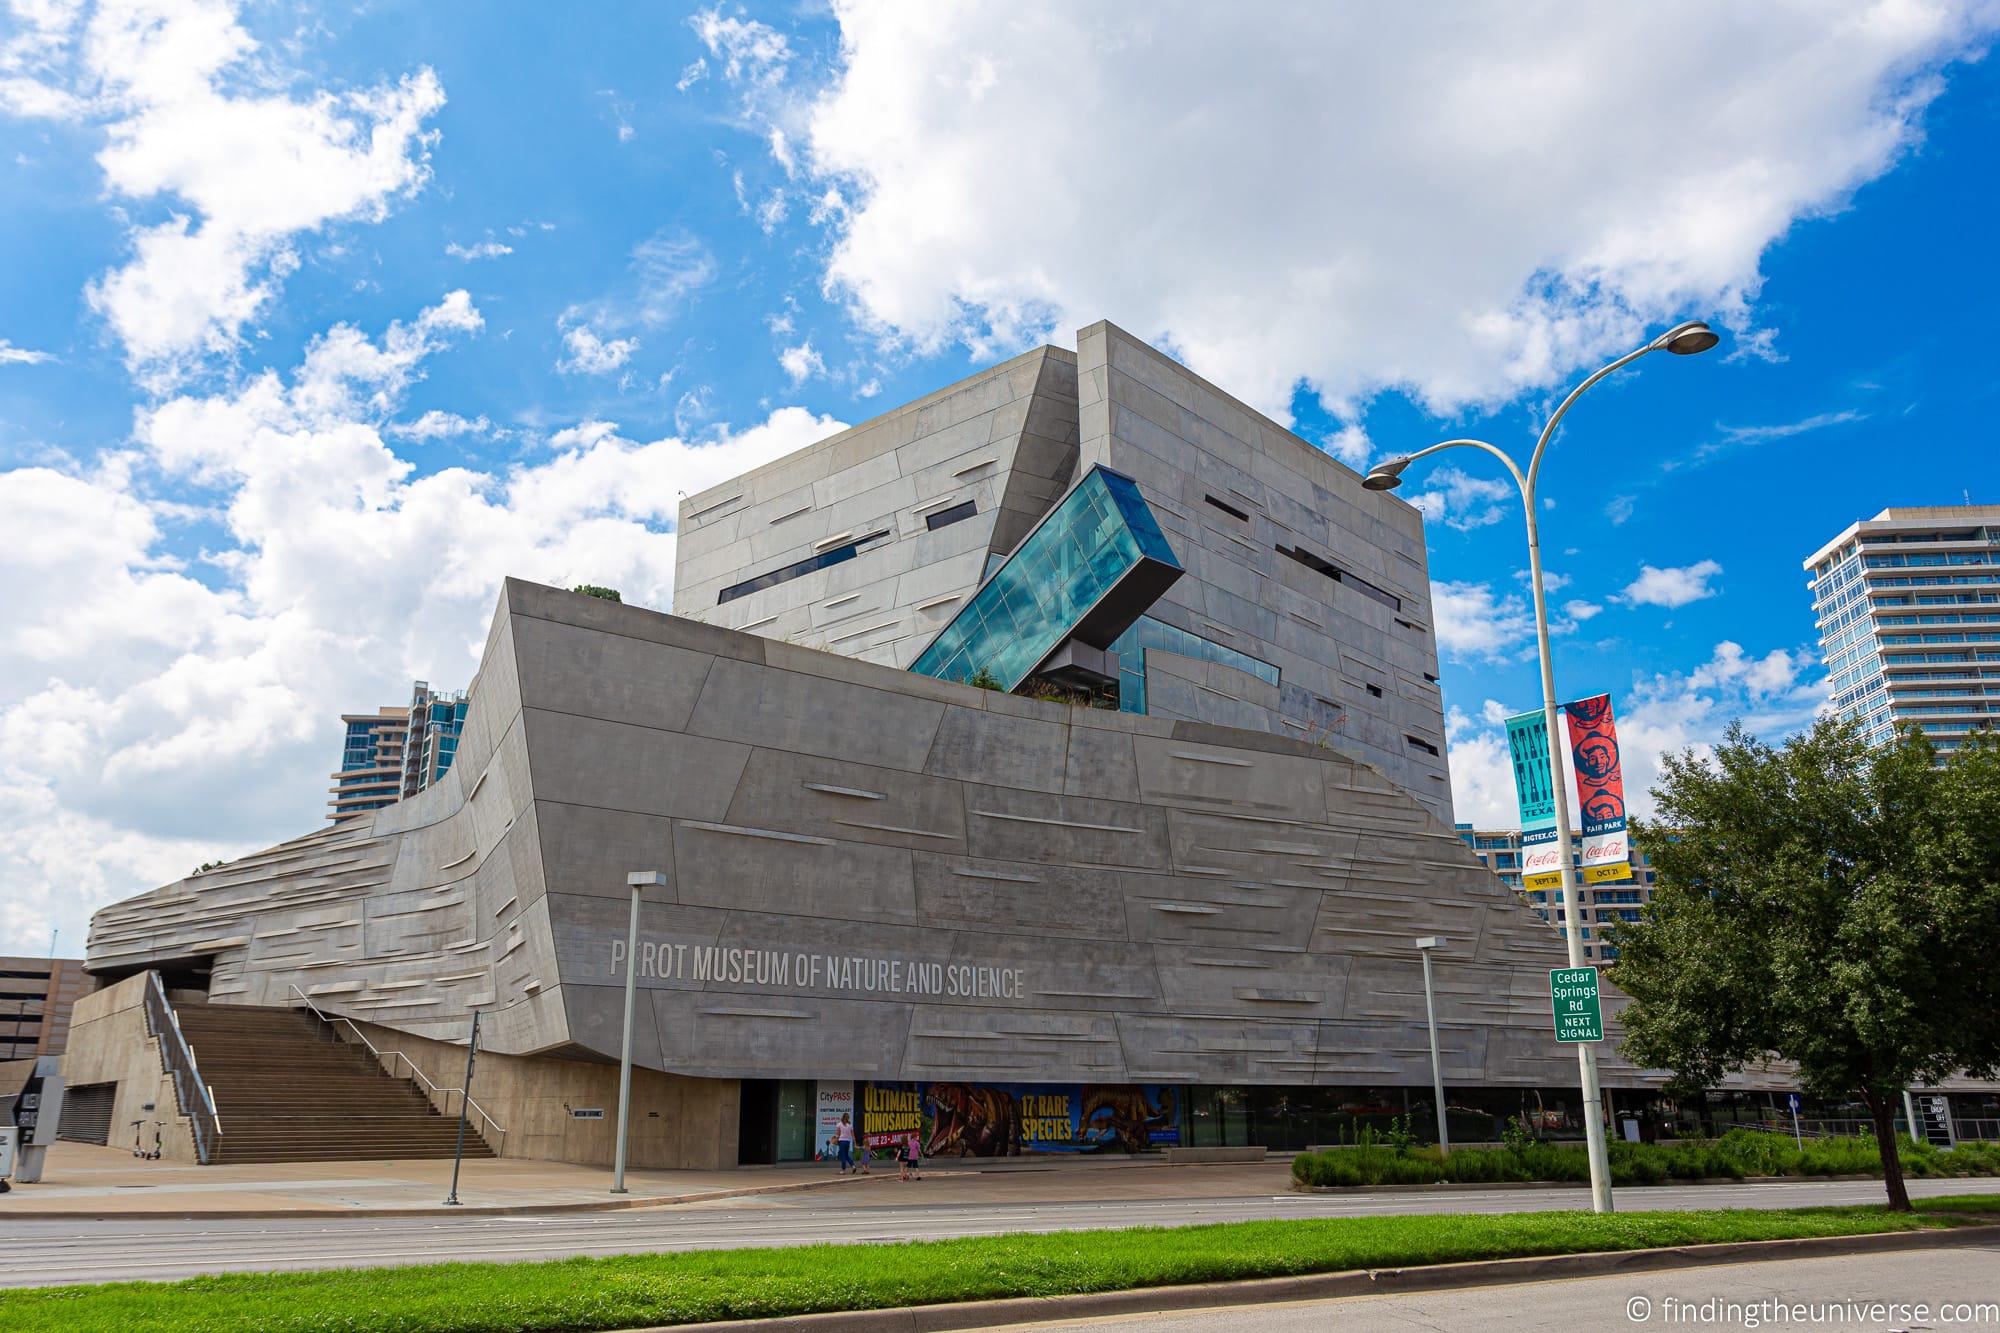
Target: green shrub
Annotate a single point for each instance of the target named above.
(1739, 1153)
(1760, 1154)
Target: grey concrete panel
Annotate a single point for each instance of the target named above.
(791, 710)
(977, 746)
(808, 794)
(760, 870)
(1101, 763)
(610, 676)
(589, 850)
(586, 761)
(1005, 823)
(1011, 898)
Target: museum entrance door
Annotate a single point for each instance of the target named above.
(757, 1122)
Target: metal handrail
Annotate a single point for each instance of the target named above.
(385, 1060)
(178, 1057)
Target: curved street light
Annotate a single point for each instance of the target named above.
(1682, 340)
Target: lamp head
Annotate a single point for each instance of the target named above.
(1385, 476)
(1689, 338)
(647, 879)
(1429, 942)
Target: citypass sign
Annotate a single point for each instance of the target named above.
(1600, 789)
(1541, 854)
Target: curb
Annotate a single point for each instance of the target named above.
(433, 1210)
(1457, 1187)
(1327, 1286)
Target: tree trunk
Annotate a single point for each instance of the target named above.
(1883, 1110)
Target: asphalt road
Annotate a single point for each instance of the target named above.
(39, 1253)
(1965, 1279)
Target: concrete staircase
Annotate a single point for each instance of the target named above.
(286, 1091)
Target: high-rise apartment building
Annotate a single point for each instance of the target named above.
(1598, 904)
(436, 718)
(396, 752)
(1908, 608)
(35, 999)
(371, 763)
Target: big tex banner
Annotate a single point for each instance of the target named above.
(1528, 747)
(1600, 788)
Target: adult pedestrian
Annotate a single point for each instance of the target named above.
(911, 1160)
(844, 1141)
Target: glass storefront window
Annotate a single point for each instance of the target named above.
(797, 1116)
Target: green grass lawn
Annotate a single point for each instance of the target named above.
(635, 1290)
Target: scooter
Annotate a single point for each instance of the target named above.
(138, 1149)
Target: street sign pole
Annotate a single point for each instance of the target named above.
(1792, 1101)
(464, 1103)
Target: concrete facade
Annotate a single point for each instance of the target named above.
(111, 1045)
(872, 875)
(1287, 559)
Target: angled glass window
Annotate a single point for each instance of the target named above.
(1086, 571)
(1147, 632)
(811, 564)
(944, 518)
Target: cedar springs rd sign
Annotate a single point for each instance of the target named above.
(1573, 997)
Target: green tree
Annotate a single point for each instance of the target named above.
(1824, 903)
(596, 590)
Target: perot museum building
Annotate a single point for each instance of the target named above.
(1054, 763)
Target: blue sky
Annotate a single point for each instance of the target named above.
(318, 322)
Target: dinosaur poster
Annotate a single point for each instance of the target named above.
(1010, 1119)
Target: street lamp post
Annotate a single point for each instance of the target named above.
(1682, 340)
(1424, 947)
(637, 880)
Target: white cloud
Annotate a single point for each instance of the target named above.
(801, 363)
(150, 719)
(1482, 771)
(1473, 623)
(668, 268)
(1619, 508)
(11, 355)
(1660, 714)
(438, 425)
(1459, 500)
(483, 250)
(1774, 674)
(1784, 430)
(1579, 610)
(1673, 586)
(1469, 208)
(1351, 445)
(752, 53)
(240, 168)
(588, 354)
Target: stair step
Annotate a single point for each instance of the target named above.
(285, 1093)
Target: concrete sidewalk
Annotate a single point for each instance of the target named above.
(84, 1181)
